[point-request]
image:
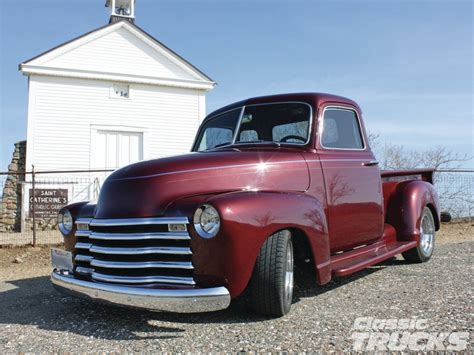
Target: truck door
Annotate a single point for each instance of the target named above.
(351, 178)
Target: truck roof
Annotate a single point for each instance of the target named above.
(315, 99)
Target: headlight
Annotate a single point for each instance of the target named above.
(65, 222)
(207, 221)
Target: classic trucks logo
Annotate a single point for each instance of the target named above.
(413, 334)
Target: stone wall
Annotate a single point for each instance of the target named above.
(10, 207)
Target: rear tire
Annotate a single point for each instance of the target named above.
(424, 250)
(272, 280)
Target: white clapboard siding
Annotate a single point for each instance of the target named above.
(120, 52)
(65, 112)
(75, 122)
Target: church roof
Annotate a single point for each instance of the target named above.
(120, 49)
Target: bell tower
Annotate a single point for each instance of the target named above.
(121, 10)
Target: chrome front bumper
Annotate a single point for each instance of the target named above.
(180, 301)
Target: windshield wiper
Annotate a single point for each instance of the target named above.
(230, 145)
(276, 144)
(222, 145)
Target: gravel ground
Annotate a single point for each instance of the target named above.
(35, 318)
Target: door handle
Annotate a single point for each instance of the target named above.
(370, 163)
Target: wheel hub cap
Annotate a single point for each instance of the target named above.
(427, 235)
(289, 274)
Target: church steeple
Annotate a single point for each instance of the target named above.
(121, 10)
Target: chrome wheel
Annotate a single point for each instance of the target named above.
(427, 232)
(271, 286)
(424, 250)
(289, 278)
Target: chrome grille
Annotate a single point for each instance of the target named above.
(134, 251)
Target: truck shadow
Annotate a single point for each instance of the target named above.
(35, 302)
(305, 284)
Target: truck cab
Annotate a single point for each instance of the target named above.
(271, 182)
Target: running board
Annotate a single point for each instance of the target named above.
(358, 259)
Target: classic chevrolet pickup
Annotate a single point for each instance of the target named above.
(271, 182)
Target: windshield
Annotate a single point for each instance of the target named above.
(276, 123)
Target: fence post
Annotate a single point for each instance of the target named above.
(33, 203)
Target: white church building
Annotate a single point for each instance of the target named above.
(111, 97)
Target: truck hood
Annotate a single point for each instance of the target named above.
(144, 189)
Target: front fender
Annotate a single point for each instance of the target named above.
(78, 210)
(247, 220)
(405, 208)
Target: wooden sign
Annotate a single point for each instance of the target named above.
(48, 202)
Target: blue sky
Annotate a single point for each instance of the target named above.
(409, 64)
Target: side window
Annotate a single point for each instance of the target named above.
(341, 129)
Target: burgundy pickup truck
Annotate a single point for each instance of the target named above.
(271, 182)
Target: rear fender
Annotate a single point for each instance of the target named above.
(247, 220)
(405, 207)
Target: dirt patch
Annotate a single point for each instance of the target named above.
(26, 262)
(16, 263)
(455, 233)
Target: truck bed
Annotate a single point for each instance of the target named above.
(393, 182)
(404, 175)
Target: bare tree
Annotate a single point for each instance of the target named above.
(440, 157)
(374, 140)
(456, 191)
(396, 156)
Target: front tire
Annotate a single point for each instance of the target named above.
(273, 276)
(424, 250)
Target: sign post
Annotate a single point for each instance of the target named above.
(34, 211)
(45, 203)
